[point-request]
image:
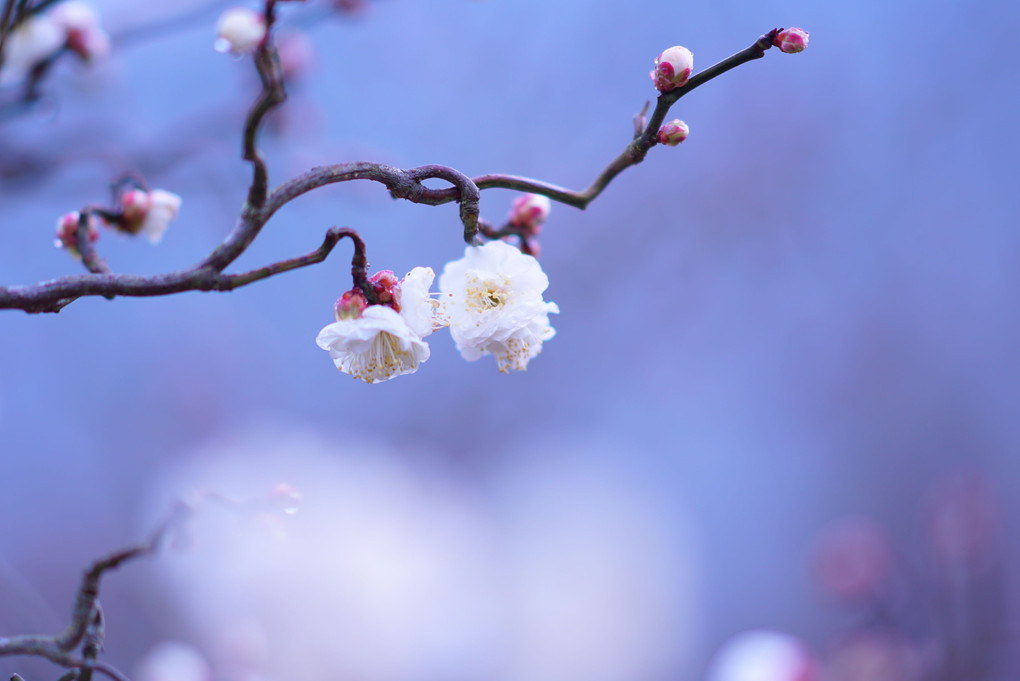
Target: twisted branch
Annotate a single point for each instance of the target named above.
(85, 629)
(207, 275)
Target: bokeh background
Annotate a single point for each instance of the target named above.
(782, 395)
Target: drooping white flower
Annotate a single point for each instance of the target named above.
(148, 212)
(239, 30)
(377, 343)
(492, 298)
(35, 40)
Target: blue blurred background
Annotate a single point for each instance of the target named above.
(805, 313)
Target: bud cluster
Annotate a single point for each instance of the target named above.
(137, 211)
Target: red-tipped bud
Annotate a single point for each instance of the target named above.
(529, 212)
(67, 232)
(672, 68)
(350, 305)
(673, 133)
(791, 40)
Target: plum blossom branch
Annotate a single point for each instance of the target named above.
(207, 275)
(86, 627)
(267, 63)
(635, 152)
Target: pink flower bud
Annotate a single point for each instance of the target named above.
(529, 212)
(296, 55)
(672, 68)
(791, 40)
(239, 30)
(673, 133)
(386, 287)
(67, 232)
(350, 305)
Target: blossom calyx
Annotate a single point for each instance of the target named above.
(529, 212)
(239, 30)
(791, 40)
(673, 133)
(147, 212)
(67, 232)
(492, 298)
(672, 68)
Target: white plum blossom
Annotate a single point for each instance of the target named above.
(35, 40)
(80, 22)
(239, 30)
(377, 343)
(492, 298)
(148, 212)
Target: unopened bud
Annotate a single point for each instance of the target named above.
(673, 133)
(386, 285)
(791, 40)
(67, 232)
(672, 68)
(350, 305)
(529, 212)
(239, 30)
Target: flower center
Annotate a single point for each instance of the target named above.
(487, 294)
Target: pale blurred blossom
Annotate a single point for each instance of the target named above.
(173, 661)
(874, 656)
(239, 30)
(392, 571)
(853, 559)
(35, 40)
(763, 655)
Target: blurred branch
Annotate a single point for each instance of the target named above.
(207, 275)
(86, 627)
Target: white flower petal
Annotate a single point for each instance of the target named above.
(162, 209)
(417, 307)
(377, 346)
